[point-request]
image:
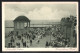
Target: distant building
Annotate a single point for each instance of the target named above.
(21, 22)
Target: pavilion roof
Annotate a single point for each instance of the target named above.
(21, 18)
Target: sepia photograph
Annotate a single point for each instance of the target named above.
(40, 26)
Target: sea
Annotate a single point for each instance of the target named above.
(9, 24)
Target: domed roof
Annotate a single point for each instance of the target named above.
(22, 18)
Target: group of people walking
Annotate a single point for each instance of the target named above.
(34, 35)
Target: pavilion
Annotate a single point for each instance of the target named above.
(21, 22)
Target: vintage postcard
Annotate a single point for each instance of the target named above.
(40, 26)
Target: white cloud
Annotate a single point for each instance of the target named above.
(42, 13)
(46, 13)
(11, 14)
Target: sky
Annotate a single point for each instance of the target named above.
(40, 11)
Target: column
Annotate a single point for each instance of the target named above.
(23, 25)
(19, 25)
(27, 24)
(14, 26)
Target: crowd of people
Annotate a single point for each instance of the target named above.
(26, 38)
(58, 39)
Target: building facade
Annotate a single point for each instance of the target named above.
(68, 27)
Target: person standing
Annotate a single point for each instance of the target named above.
(47, 44)
(30, 42)
(38, 41)
(24, 44)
